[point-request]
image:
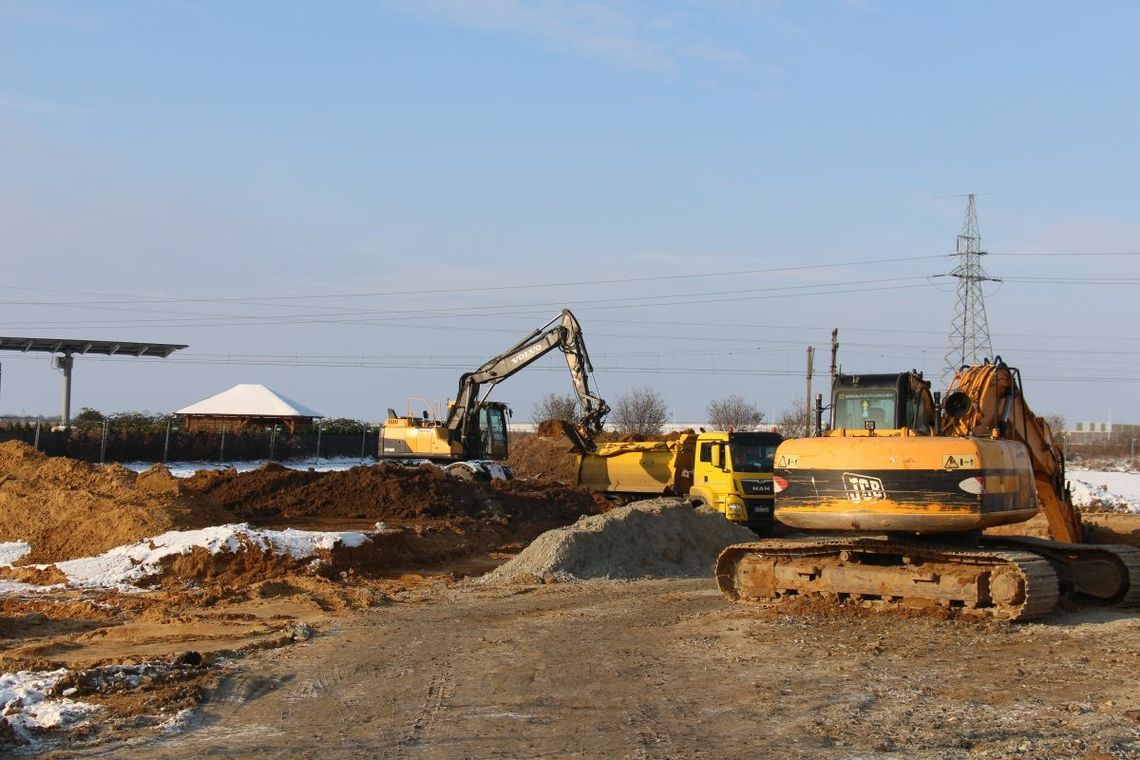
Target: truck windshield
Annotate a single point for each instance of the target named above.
(753, 457)
(854, 408)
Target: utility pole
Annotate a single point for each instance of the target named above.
(834, 354)
(807, 401)
(969, 341)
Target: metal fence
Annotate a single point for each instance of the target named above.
(108, 444)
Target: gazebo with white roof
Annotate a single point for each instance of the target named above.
(244, 406)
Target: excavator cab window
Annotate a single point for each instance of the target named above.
(918, 418)
(492, 430)
(855, 408)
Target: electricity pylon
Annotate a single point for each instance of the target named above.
(969, 341)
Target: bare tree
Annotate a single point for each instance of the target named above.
(640, 412)
(796, 421)
(734, 413)
(1057, 423)
(553, 406)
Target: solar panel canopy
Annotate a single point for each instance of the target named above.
(80, 347)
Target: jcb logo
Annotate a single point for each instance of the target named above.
(862, 488)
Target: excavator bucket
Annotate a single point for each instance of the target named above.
(556, 429)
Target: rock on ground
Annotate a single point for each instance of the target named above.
(657, 538)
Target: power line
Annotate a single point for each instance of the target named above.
(374, 316)
(1042, 280)
(250, 300)
(1066, 253)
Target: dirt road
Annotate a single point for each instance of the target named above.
(670, 669)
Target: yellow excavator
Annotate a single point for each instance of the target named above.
(889, 507)
(472, 441)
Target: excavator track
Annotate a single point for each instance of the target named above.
(992, 583)
(1107, 574)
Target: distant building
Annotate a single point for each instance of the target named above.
(247, 406)
(1102, 432)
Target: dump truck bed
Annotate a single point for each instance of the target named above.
(638, 467)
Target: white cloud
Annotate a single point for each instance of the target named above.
(28, 105)
(591, 29)
(733, 60)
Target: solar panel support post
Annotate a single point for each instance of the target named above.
(65, 363)
(62, 349)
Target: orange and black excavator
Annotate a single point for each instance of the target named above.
(892, 503)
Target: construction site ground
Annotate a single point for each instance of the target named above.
(393, 649)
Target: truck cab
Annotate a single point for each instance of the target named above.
(728, 471)
(732, 473)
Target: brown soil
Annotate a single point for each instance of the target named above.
(385, 491)
(546, 454)
(67, 509)
(668, 669)
(1100, 528)
(433, 524)
(587, 668)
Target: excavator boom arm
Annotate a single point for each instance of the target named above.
(997, 407)
(561, 332)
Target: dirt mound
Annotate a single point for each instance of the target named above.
(539, 456)
(553, 429)
(67, 509)
(386, 491)
(657, 538)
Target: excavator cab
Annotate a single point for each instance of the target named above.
(882, 402)
(488, 434)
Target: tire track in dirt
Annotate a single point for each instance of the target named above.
(440, 687)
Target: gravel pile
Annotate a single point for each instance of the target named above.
(658, 538)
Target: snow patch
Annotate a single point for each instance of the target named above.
(1105, 490)
(124, 566)
(13, 550)
(28, 707)
(186, 469)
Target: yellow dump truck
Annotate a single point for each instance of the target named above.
(728, 471)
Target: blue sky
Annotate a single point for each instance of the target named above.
(354, 202)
